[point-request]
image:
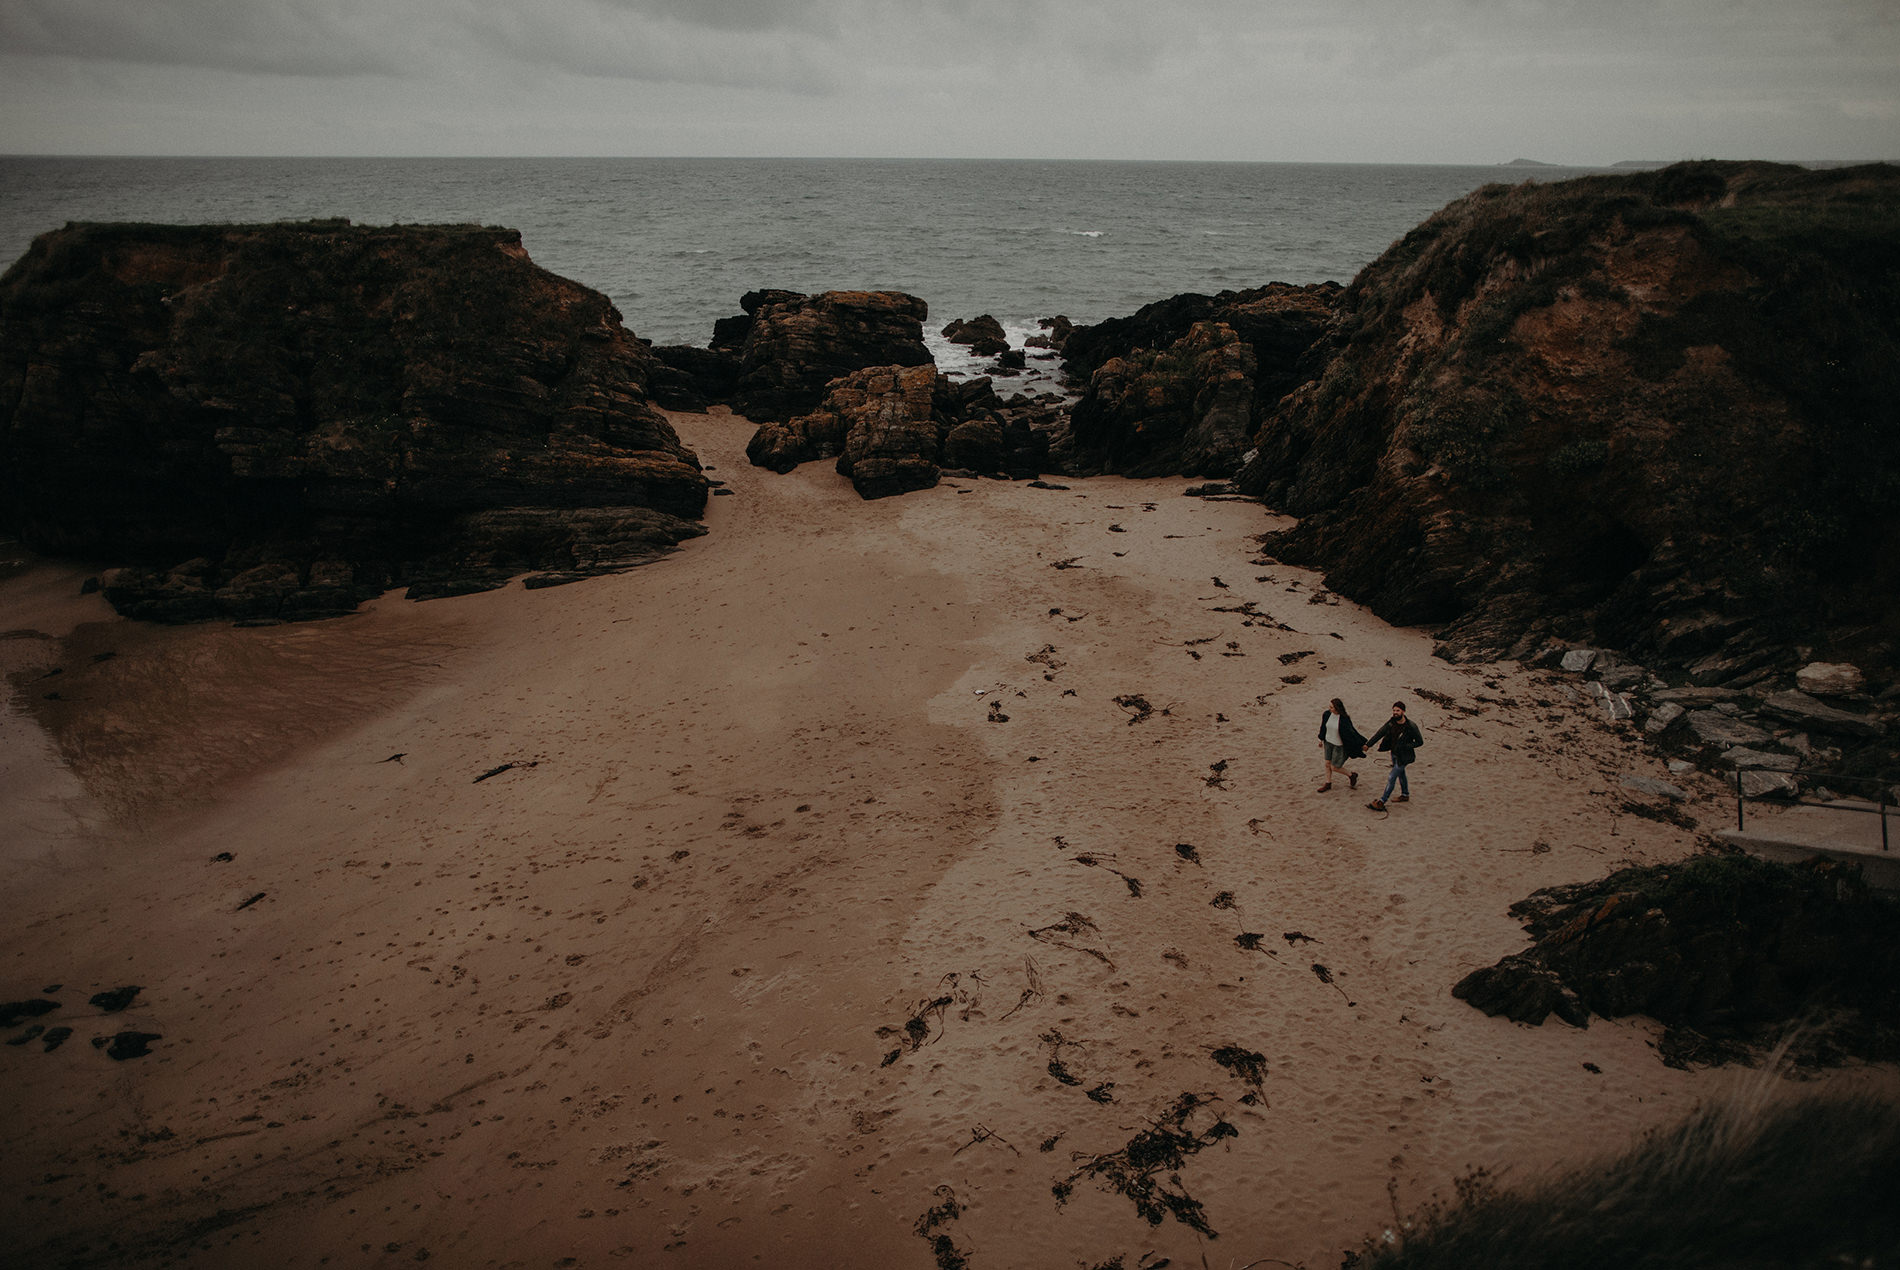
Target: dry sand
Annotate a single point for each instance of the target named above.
(772, 942)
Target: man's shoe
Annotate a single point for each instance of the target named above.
(1403, 798)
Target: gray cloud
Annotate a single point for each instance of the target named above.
(1378, 80)
(285, 37)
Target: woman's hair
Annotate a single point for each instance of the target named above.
(1339, 707)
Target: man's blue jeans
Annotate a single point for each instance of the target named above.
(1396, 778)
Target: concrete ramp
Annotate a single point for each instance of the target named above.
(1848, 830)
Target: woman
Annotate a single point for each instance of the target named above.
(1339, 741)
(1400, 737)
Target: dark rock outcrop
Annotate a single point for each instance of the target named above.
(686, 377)
(1651, 411)
(729, 334)
(1726, 950)
(307, 414)
(1177, 388)
(796, 346)
(894, 429)
(1184, 410)
(983, 334)
(1055, 333)
(893, 436)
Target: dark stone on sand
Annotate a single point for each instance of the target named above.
(131, 1045)
(308, 414)
(18, 1011)
(56, 1037)
(117, 999)
(894, 429)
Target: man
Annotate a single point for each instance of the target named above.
(1399, 737)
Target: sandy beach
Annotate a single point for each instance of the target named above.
(846, 889)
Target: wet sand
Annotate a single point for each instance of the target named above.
(861, 877)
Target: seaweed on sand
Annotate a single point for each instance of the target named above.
(1148, 1168)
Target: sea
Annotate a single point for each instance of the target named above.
(675, 243)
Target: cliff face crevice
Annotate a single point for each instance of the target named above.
(1632, 409)
(221, 407)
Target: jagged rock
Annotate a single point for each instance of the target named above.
(689, 378)
(1741, 756)
(1804, 711)
(894, 438)
(1569, 403)
(1755, 783)
(1579, 660)
(1650, 785)
(303, 412)
(983, 334)
(795, 347)
(729, 334)
(1149, 409)
(1661, 717)
(1056, 332)
(1615, 705)
(1186, 409)
(1522, 991)
(893, 429)
(1829, 679)
(1725, 945)
(1712, 727)
(783, 446)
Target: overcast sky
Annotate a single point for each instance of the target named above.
(1432, 81)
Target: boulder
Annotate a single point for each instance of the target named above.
(1523, 991)
(893, 436)
(1579, 660)
(1661, 717)
(1755, 783)
(983, 334)
(1741, 756)
(1712, 727)
(1829, 679)
(307, 414)
(1054, 335)
(1650, 785)
(795, 347)
(1804, 711)
(893, 428)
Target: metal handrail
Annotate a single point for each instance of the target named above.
(1882, 804)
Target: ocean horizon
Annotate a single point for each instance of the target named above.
(675, 242)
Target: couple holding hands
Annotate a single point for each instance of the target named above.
(1340, 742)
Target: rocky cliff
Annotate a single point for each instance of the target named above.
(795, 345)
(280, 420)
(1180, 386)
(1651, 410)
